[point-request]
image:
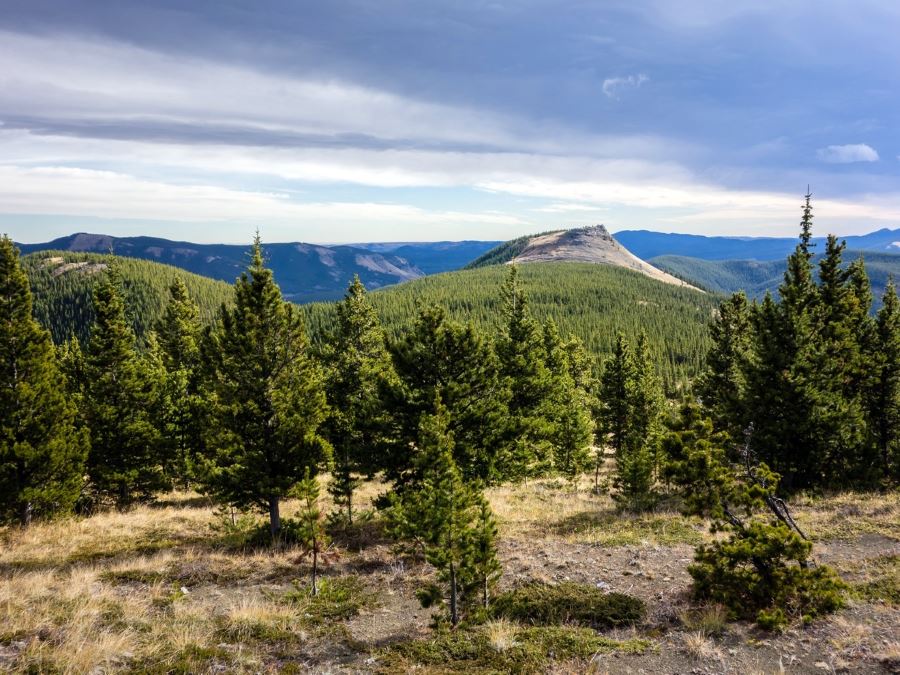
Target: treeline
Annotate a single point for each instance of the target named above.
(592, 302)
(813, 378)
(62, 286)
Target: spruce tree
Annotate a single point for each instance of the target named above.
(441, 513)
(441, 358)
(360, 374)
(568, 405)
(42, 450)
(269, 398)
(522, 362)
(182, 403)
(124, 463)
(883, 393)
(485, 569)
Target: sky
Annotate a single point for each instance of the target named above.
(395, 120)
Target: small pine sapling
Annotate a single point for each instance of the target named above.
(311, 532)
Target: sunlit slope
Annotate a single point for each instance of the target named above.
(589, 300)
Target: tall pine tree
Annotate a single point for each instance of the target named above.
(124, 463)
(360, 374)
(42, 451)
(269, 398)
(884, 390)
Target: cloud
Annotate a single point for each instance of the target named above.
(847, 154)
(614, 86)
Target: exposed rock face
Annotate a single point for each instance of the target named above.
(592, 245)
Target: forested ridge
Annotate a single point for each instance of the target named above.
(62, 283)
(757, 277)
(590, 301)
(795, 394)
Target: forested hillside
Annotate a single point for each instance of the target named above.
(590, 301)
(62, 283)
(756, 277)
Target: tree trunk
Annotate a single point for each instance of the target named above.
(350, 506)
(484, 592)
(27, 510)
(454, 610)
(274, 518)
(315, 569)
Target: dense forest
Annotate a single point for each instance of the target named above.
(592, 302)
(62, 283)
(758, 277)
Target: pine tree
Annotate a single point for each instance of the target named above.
(486, 567)
(182, 403)
(312, 535)
(884, 392)
(441, 358)
(441, 513)
(124, 463)
(723, 384)
(568, 406)
(42, 451)
(269, 399)
(522, 362)
(360, 373)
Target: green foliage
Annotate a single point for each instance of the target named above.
(628, 419)
(442, 358)
(763, 569)
(269, 399)
(448, 519)
(124, 463)
(311, 533)
(42, 450)
(530, 650)
(589, 301)
(62, 283)
(359, 376)
(814, 374)
(762, 573)
(568, 602)
(337, 599)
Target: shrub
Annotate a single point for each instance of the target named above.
(338, 598)
(763, 573)
(568, 602)
(523, 649)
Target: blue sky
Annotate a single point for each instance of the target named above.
(390, 120)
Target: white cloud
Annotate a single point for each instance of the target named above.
(847, 154)
(613, 86)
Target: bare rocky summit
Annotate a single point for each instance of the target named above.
(592, 245)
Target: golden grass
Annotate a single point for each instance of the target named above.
(849, 515)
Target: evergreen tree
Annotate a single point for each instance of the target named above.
(42, 452)
(360, 373)
(522, 362)
(568, 406)
(124, 465)
(269, 399)
(312, 535)
(486, 567)
(723, 384)
(884, 391)
(441, 358)
(183, 403)
(441, 513)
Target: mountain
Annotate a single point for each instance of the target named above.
(305, 272)
(584, 244)
(756, 277)
(436, 256)
(648, 245)
(589, 300)
(62, 283)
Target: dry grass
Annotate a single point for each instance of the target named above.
(700, 647)
(849, 515)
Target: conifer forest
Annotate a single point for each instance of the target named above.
(454, 474)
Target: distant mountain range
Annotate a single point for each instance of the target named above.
(305, 272)
(648, 245)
